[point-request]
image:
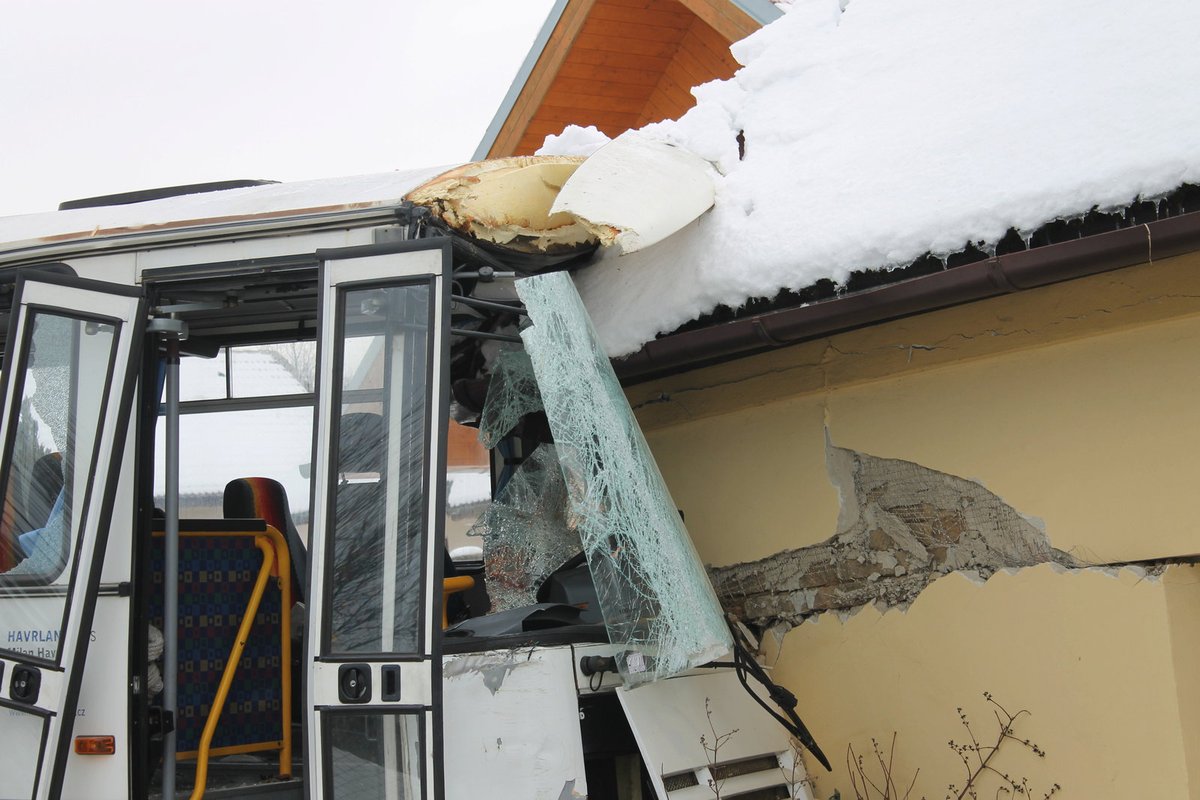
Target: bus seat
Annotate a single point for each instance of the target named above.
(361, 439)
(27, 506)
(45, 483)
(266, 499)
(216, 577)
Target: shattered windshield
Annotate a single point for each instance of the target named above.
(654, 593)
(528, 531)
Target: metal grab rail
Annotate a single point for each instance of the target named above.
(276, 558)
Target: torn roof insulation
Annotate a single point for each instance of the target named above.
(893, 129)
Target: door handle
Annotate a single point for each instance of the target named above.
(25, 685)
(354, 683)
(390, 673)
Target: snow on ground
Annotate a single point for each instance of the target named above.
(899, 127)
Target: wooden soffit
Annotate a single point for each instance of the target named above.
(619, 64)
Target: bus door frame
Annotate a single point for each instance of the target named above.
(406, 685)
(55, 696)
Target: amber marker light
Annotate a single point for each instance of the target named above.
(95, 745)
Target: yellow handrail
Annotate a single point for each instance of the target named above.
(276, 558)
(454, 585)
(235, 655)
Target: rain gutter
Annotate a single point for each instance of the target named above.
(999, 275)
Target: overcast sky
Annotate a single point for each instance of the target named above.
(103, 96)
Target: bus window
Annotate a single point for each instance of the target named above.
(376, 557)
(223, 436)
(61, 391)
(273, 369)
(217, 446)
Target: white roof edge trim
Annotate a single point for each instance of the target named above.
(34, 250)
(269, 207)
(514, 90)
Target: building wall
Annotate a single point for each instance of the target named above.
(1075, 408)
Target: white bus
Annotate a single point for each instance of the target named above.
(239, 471)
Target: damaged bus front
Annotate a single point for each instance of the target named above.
(328, 490)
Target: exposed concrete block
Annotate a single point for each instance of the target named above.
(901, 526)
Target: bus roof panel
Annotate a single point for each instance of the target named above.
(267, 202)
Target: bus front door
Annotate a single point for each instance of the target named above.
(69, 369)
(374, 672)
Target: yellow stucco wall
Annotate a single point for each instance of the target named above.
(1081, 412)
(1078, 404)
(1089, 654)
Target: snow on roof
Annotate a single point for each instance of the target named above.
(278, 199)
(900, 127)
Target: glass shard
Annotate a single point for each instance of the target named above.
(512, 393)
(527, 532)
(654, 593)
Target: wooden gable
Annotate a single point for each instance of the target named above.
(620, 64)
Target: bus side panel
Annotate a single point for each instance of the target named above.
(103, 707)
(104, 694)
(512, 725)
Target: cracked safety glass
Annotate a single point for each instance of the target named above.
(527, 531)
(512, 393)
(654, 593)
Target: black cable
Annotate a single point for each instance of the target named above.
(744, 663)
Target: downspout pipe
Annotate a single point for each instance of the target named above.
(999, 275)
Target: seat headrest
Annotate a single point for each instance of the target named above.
(258, 498)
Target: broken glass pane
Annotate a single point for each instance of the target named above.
(527, 531)
(512, 393)
(654, 593)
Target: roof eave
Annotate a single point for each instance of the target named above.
(998, 275)
(761, 12)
